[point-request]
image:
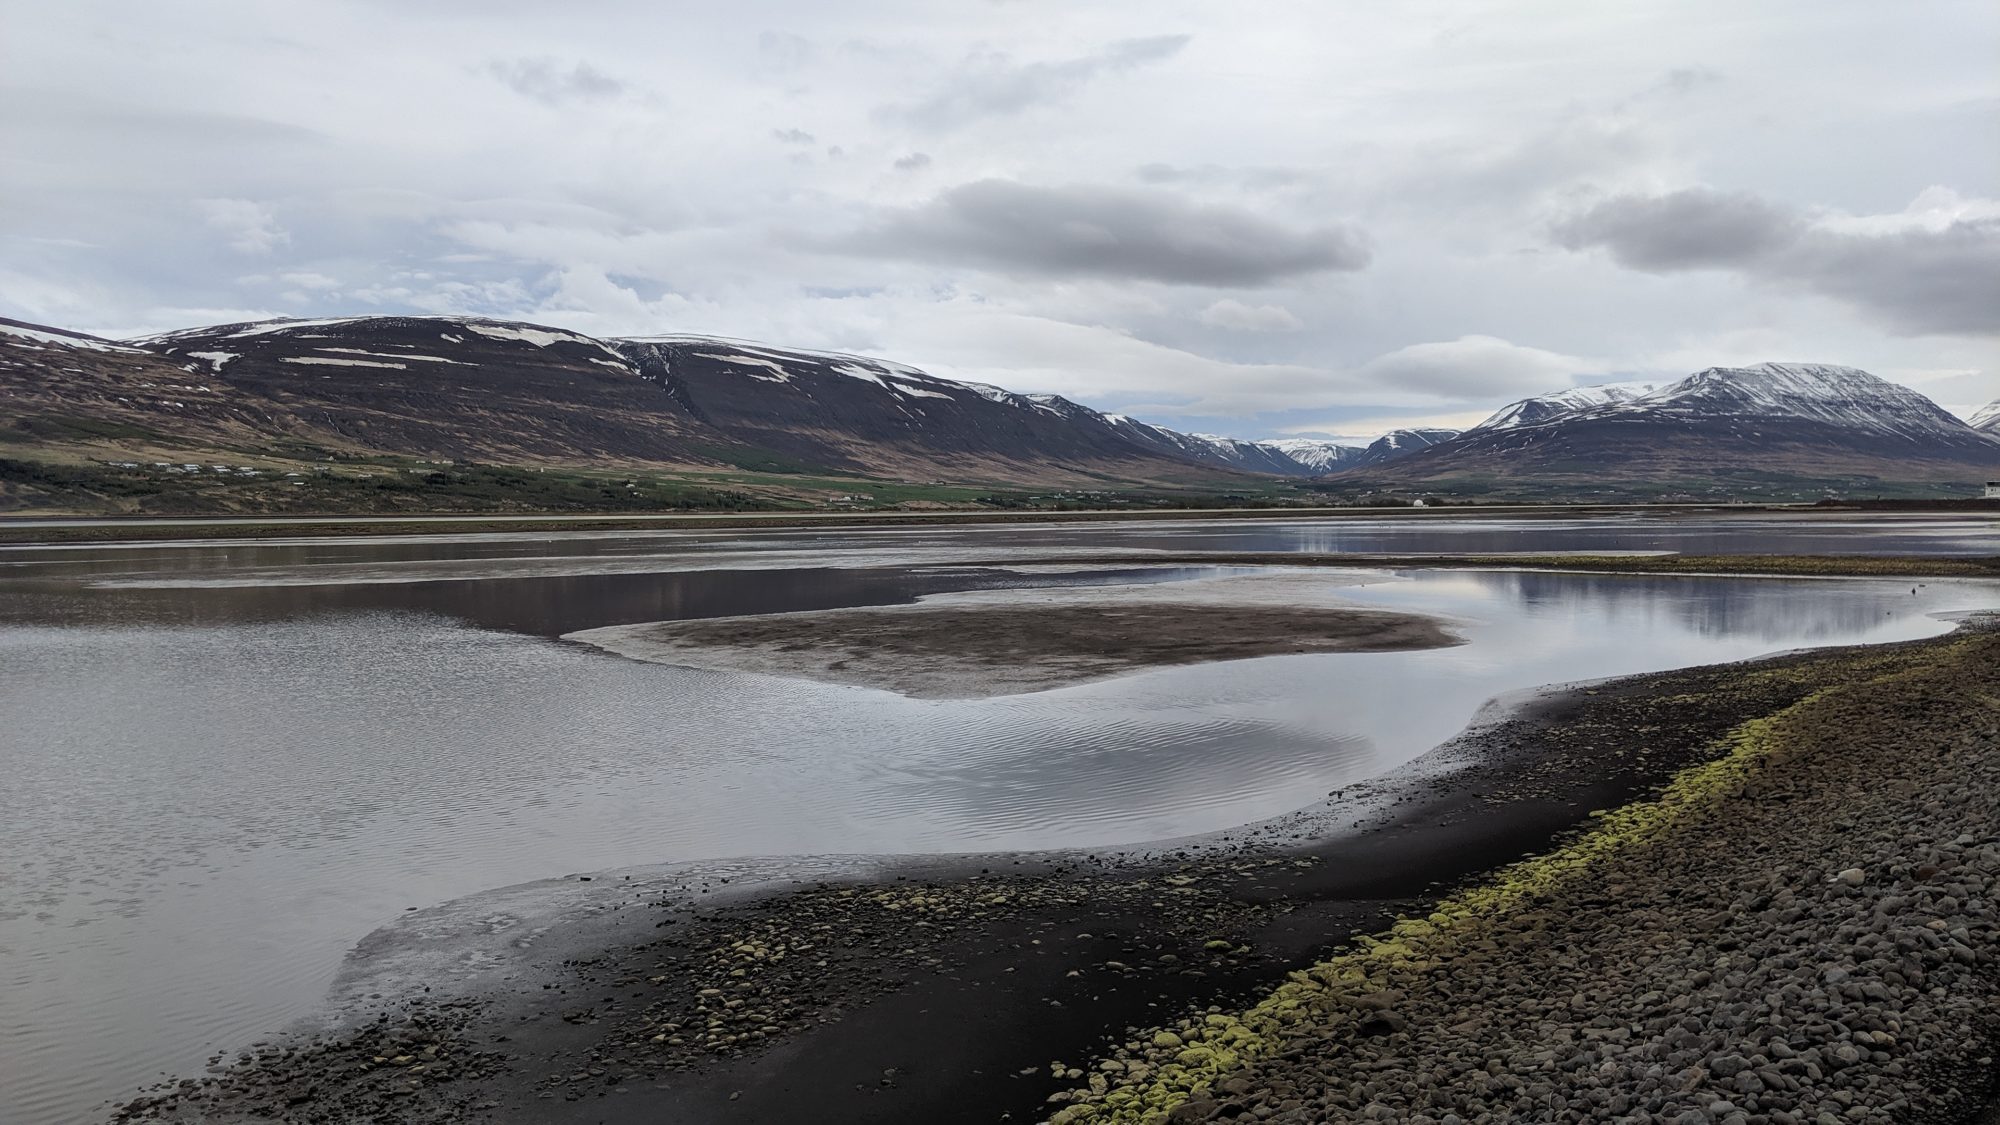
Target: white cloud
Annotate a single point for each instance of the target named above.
(1366, 428)
(249, 226)
(1477, 366)
(549, 82)
(1165, 159)
(1236, 316)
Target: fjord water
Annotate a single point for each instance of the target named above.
(227, 763)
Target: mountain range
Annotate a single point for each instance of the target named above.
(448, 389)
(1986, 419)
(1719, 430)
(467, 387)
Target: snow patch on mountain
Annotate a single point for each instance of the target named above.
(1540, 409)
(1313, 453)
(1847, 397)
(1986, 418)
(22, 332)
(266, 327)
(779, 373)
(331, 361)
(540, 337)
(376, 355)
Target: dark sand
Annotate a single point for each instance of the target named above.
(957, 646)
(943, 992)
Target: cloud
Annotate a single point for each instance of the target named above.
(968, 340)
(1933, 268)
(784, 50)
(1475, 367)
(990, 84)
(1692, 229)
(1083, 231)
(1360, 430)
(915, 161)
(793, 136)
(544, 80)
(250, 227)
(1236, 316)
(1209, 175)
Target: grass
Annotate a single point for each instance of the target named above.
(352, 486)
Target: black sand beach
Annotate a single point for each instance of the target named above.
(977, 990)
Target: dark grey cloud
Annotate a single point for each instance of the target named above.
(1082, 231)
(546, 81)
(1692, 229)
(913, 162)
(1916, 279)
(1919, 281)
(988, 84)
(794, 136)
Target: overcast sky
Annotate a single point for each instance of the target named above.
(1258, 219)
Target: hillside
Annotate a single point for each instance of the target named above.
(1776, 430)
(315, 405)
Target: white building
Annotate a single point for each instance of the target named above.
(1993, 490)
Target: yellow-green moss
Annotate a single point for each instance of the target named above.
(1213, 1045)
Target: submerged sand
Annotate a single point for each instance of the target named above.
(1008, 642)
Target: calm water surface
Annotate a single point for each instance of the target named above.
(228, 763)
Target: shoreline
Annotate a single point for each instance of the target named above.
(1805, 928)
(57, 530)
(933, 987)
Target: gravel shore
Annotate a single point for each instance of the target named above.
(1805, 931)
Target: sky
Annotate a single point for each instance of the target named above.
(1264, 220)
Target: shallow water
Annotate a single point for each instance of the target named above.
(214, 791)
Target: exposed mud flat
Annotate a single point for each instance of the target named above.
(1008, 642)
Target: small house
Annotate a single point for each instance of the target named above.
(1993, 490)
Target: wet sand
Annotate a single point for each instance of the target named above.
(989, 643)
(970, 988)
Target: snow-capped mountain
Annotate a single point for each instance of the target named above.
(1986, 419)
(1314, 454)
(1399, 443)
(35, 337)
(1562, 404)
(470, 388)
(1845, 398)
(1253, 456)
(473, 388)
(1291, 457)
(1798, 422)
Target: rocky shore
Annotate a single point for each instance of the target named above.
(1807, 930)
(1128, 987)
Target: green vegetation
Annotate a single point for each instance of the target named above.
(300, 478)
(357, 486)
